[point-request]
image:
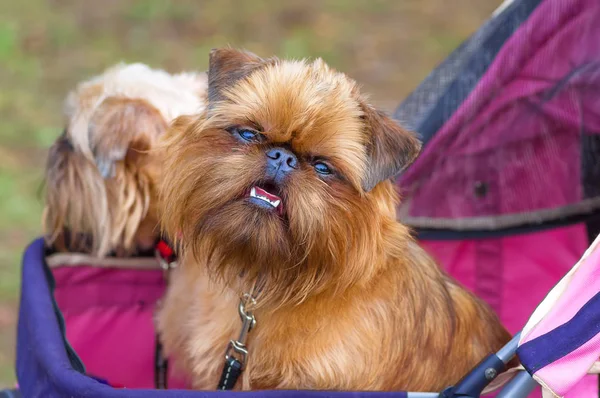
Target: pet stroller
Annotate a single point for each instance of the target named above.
(510, 123)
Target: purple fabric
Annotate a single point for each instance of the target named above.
(44, 368)
(563, 340)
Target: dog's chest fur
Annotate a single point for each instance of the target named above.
(398, 332)
(205, 319)
(318, 344)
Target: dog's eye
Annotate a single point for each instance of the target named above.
(249, 135)
(322, 168)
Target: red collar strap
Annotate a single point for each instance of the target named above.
(165, 254)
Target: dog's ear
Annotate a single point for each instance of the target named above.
(124, 129)
(390, 148)
(227, 66)
(75, 202)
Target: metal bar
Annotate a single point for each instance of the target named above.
(507, 352)
(519, 387)
(423, 395)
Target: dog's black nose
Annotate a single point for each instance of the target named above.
(280, 162)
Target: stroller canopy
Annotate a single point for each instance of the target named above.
(510, 123)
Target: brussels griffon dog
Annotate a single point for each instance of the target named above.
(100, 175)
(282, 189)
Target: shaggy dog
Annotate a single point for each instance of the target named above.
(100, 174)
(281, 192)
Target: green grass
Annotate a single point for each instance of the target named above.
(46, 47)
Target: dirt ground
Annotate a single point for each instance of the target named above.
(47, 46)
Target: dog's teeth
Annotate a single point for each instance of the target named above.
(256, 195)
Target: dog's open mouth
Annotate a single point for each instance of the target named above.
(263, 198)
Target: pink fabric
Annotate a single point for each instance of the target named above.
(563, 374)
(109, 321)
(514, 274)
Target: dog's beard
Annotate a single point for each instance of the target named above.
(241, 234)
(255, 249)
(284, 259)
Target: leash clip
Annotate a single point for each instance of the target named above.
(237, 348)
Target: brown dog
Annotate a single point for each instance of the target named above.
(282, 188)
(100, 176)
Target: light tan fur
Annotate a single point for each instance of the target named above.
(101, 174)
(348, 300)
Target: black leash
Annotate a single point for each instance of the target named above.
(231, 372)
(235, 356)
(161, 367)
(237, 352)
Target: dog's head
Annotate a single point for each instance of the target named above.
(285, 178)
(101, 172)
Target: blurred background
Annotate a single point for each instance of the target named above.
(47, 46)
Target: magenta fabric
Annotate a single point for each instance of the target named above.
(109, 321)
(528, 156)
(514, 274)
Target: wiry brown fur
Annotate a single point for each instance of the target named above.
(348, 300)
(101, 172)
